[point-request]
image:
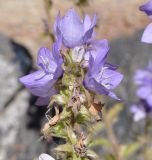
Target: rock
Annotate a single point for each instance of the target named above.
(15, 61)
(15, 137)
(129, 53)
(26, 24)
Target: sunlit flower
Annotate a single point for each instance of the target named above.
(73, 30)
(41, 82)
(147, 35)
(101, 77)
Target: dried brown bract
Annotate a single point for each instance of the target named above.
(75, 101)
(80, 147)
(51, 122)
(96, 111)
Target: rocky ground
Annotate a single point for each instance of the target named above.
(21, 28)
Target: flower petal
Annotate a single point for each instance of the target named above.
(99, 47)
(144, 91)
(147, 8)
(88, 34)
(147, 35)
(94, 86)
(36, 79)
(149, 99)
(38, 83)
(138, 112)
(114, 96)
(56, 26)
(87, 23)
(77, 54)
(42, 101)
(111, 78)
(71, 29)
(46, 61)
(57, 57)
(45, 157)
(140, 76)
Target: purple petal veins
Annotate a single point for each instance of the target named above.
(41, 82)
(101, 78)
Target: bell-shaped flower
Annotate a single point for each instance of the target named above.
(73, 30)
(147, 35)
(102, 77)
(143, 78)
(138, 112)
(41, 82)
(141, 110)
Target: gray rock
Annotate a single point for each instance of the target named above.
(130, 54)
(17, 141)
(15, 61)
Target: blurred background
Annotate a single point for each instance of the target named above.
(23, 29)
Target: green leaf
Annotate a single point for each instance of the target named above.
(59, 127)
(64, 148)
(97, 127)
(59, 131)
(59, 99)
(65, 114)
(92, 154)
(113, 112)
(71, 135)
(109, 157)
(83, 115)
(130, 149)
(100, 142)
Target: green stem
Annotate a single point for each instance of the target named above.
(112, 138)
(146, 135)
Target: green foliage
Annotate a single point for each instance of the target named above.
(64, 148)
(130, 149)
(113, 112)
(101, 141)
(109, 157)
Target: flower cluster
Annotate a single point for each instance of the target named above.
(72, 77)
(147, 35)
(143, 79)
(79, 36)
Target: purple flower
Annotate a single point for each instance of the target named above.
(102, 77)
(73, 30)
(140, 110)
(147, 35)
(147, 8)
(143, 78)
(97, 47)
(41, 82)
